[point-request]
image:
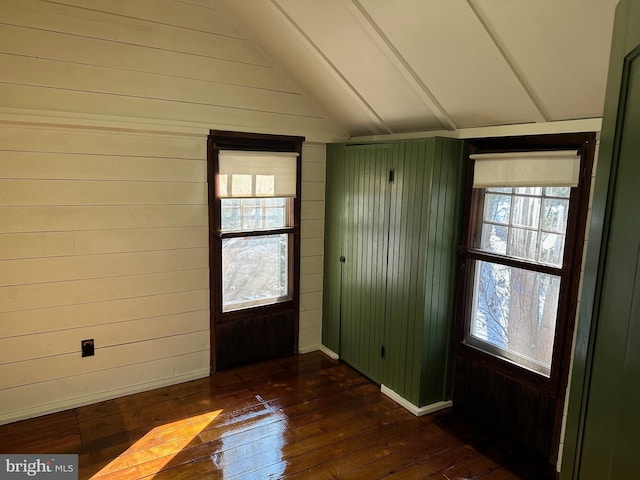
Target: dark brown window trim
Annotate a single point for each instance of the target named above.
(227, 140)
(257, 233)
(585, 143)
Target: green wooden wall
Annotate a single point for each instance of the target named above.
(335, 202)
(601, 440)
(395, 289)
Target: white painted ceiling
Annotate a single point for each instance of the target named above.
(394, 66)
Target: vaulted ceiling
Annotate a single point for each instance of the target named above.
(392, 66)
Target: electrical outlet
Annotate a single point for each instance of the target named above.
(87, 348)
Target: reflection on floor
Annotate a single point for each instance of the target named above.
(302, 417)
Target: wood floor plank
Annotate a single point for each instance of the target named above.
(264, 463)
(298, 414)
(390, 457)
(299, 417)
(434, 466)
(55, 433)
(473, 469)
(500, 474)
(369, 456)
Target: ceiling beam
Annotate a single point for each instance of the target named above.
(539, 128)
(313, 47)
(543, 115)
(401, 64)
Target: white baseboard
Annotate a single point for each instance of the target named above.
(319, 348)
(308, 349)
(417, 411)
(329, 353)
(9, 417)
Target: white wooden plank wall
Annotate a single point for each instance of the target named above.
(104, 110)
(312, 246)
(579, 304)
(100, 238)
(151, 60)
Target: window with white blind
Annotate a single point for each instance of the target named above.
(256, 191)
(515, 307)
(254, 246)
(518, 256)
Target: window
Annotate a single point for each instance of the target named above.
(521, 256)
(254, 246)
(256, 267)
(256, 191)
(255, 216)
(514, 308)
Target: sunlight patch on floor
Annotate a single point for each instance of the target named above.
(161, 444)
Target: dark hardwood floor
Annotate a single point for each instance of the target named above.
(302, 417)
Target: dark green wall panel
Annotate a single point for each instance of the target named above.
(334, 207)
(400, 241)
(602, 423)
(441, 272)
(611, 446)
(425, 221)
(413, 162)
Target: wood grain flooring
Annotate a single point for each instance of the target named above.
(301, 417)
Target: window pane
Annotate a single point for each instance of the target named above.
(523, 244)
(514, 314)
(555, 215)
(497, 208)
(526, 211)
(552, 249)
(494, 238)
(529, 190)
(249, 214)
(563, 192)
(255, 271)
(231, 214)
(524, 226)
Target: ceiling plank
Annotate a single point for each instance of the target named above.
(412, 78)
(450, 51)
(375, 118)
(543, 115)
(560, 47)
(342, 38)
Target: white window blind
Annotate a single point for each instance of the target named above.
(526, 169)
(245, 174)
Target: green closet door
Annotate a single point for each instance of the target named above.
(365, 227)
